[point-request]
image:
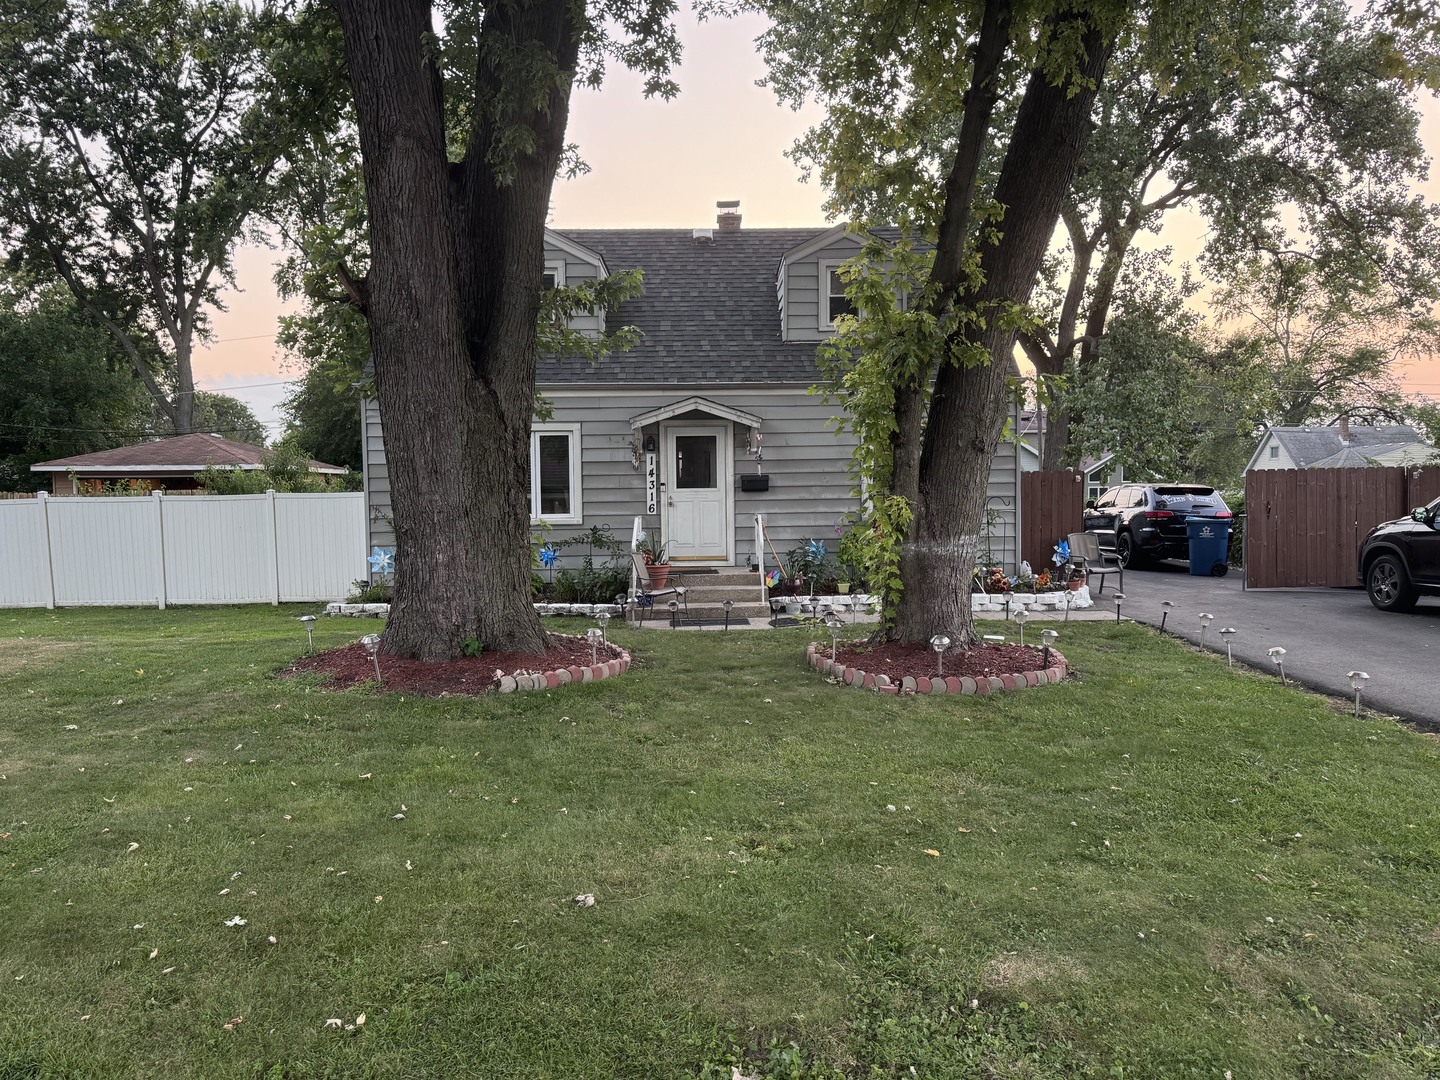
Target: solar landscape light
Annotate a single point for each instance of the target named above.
(1205, 620)
(372, 646)
(940, 643)
(602, 618)
(1021, 618)
(1165, 606)
(1048, 637)
(674, 606)
(835, 624)
(1069, 603)
(595, 636)
(308, 622)
(727, 605)
(1358, 679)
(1119, 599)
(1228, 632)
(1277, 654)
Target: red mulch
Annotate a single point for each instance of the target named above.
(351, 665)
(897, 661)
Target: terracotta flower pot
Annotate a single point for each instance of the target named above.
(1075, 584)
(659, 575)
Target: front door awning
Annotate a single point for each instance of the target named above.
(694, 404)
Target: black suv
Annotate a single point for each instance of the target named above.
(1400, 560)
(1147, 521)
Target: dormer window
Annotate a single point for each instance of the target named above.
(833, 301)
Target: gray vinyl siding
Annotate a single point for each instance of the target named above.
(578, 271)
(806, 459)
(1001, 529)
(800, 288)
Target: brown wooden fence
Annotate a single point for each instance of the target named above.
(1052, 506)
(1303, 527)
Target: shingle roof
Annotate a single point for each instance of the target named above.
(181, 453)
(1308, 446)
(709, 313)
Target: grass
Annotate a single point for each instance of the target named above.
(1159, 869)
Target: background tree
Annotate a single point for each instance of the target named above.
(221, 414)
(323, 417)
(65, 387)
(138, 139)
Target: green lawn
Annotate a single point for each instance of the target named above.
(1159, 869)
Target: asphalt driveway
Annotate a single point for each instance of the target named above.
(1326, 633)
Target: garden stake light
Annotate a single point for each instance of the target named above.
(1227, 632)
(835, 624)
(372, 646)
(308, 621)
(727, 605)
(940, 643)
(1358, 679)
(1165, 606)
(596, 635)
(1021, 618)
(1277, 654)
(1205, 620)
(1069, 603)
(1048, 637)
(602, 619)
(674, 607)
(1119, 599)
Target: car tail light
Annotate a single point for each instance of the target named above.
(1224, 514)
(1158, 515)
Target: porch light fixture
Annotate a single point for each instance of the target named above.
(940, 643)
(835, 625)
(308, 622)
(650, 444)
(602, 618)
(1119, 599)
(594, 635)
(1021, 618)
(727, 605)
(1205, 620)
(372, 646)
(1228, 632)
(1048, 637)
(1277, 654)
(1358, 679)
(1165, 606)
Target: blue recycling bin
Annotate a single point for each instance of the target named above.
(1209, 546)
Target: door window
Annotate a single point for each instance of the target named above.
(695, 461)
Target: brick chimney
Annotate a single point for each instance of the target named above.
(729, 217)
(1344, 429)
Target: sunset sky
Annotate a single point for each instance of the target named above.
(653, 164)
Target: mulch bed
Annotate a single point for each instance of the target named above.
(351, 665)
(898, 661)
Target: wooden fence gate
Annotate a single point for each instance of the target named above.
(1303, 527)
(1052, 505)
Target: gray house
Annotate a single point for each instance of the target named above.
(1340, 445)
(707, 422)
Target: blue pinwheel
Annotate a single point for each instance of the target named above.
(816, 549)
(548, 554)
(382, 560)
(1062, 553)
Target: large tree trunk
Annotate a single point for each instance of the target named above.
(452, 298)
(968, 408)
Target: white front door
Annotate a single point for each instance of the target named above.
(696, 502)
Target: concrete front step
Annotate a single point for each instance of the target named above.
(724, 576)
(708, 593)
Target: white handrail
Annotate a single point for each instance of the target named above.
(760, 556)
(636, 535)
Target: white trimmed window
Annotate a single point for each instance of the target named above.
(555, 274)
(555, 473)
(833, 301)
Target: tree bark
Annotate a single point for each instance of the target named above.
(967, 409)
(453, 295)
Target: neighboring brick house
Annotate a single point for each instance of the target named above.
(715, 394)
(172, 464)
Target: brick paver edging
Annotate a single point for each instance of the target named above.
(849, 676)
(549, 680)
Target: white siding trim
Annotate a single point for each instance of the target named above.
(827, 266)
(577, 511)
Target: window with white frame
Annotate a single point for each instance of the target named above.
(555, 473)
(555, 274)
(833, 301)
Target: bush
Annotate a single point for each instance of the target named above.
(365, 592)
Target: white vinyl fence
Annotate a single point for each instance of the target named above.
(207, 549)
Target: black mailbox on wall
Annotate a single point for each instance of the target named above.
(754, 482)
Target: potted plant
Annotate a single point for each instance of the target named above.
(1076, 581)
(656, 559)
